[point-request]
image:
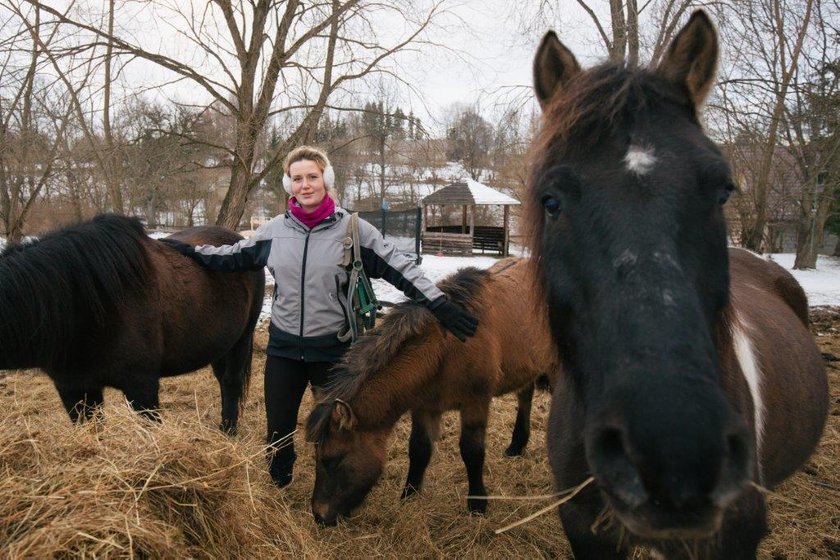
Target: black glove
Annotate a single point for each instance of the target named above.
(180, 246)
(457, 319)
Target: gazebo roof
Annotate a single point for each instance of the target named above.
(468, 192)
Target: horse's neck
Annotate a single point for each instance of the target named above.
(22, 326)
(10, 321)
(388, 394)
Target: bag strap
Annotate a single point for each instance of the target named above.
(360, 296)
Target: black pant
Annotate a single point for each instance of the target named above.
(285, 383)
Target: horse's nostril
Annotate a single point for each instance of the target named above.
(613, 467)
(609, 444)
(739, 450)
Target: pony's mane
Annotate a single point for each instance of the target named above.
(406, 322)
(70, 276)
(599, 101)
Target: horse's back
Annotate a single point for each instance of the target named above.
(207, 235)
(774, 277)
(203, 310)
(520, 326)
(779, 353)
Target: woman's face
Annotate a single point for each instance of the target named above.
(307, 184)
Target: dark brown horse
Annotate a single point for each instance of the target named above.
(691, 376)
(409, 363)
(101, 304)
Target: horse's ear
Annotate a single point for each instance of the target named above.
(554, 66)
(342, 417)
(691, 60)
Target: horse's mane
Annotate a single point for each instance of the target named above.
(72, 276)
(599, 101)
(407, 322)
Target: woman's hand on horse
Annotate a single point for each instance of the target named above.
(181, 247)
(456, 319)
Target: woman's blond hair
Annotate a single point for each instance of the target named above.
(306, 152)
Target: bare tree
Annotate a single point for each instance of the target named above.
(33, 121)
(770, 35)
(628, 31)
(470, 138)
(263, 58)
(811, 128)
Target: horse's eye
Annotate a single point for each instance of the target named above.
(552, 206)
(726, 193)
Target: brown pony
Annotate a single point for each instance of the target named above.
(409, 363)
(691, 378)
(101, 304)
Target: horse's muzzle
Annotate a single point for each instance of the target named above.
(323, 516)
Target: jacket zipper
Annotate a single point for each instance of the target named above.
(303, 293)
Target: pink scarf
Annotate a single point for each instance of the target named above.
(312, 219)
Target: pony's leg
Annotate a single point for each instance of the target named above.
(232, 372)
(425, 429)
(142, 393)
(473, 431)
(81, 403)
(522, 428)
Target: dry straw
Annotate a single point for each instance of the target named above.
(126, 488)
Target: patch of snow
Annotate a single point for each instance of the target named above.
(482, 194)
(821, 284)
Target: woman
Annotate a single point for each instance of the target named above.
(303, 249)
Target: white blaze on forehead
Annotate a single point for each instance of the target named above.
(749, 368)
(639, 160)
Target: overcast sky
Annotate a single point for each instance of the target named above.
(484, 57)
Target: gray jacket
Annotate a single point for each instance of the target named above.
(310, 291)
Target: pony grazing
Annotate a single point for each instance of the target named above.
(690, 375)
(409, 363)
(101, 304)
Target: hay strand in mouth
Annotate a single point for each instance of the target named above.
(571, 494)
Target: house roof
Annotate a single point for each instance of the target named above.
(468, 192)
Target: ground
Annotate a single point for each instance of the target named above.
(805, 510)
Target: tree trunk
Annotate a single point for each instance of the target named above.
(806, 245)
(632, 33)
(619, 31)
(113, 185)
(810, 229)
(233, 206)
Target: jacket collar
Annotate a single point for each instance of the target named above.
(328, 222)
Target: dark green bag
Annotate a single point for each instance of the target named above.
(360, 297)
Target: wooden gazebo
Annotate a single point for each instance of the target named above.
(464, 238)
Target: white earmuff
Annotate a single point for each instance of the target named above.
(329, 176)
(329, 179)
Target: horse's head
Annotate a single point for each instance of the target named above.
(348, 460)
(625, 196)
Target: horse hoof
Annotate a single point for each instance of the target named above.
(282, 481)
(514, 451)
(477, 506)
(408, 492)
(228, 430)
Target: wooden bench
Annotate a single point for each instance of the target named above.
(489, 238)
(447, 243)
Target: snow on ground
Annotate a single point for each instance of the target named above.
(822, 285)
